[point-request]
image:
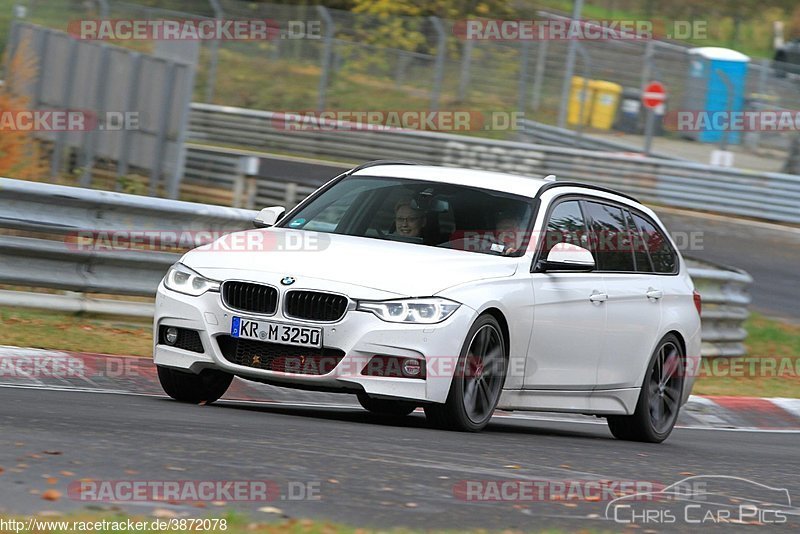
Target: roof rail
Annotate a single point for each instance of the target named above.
(551, 185)
(377, 162)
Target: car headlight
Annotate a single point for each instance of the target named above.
(419, 311)
(182, 279)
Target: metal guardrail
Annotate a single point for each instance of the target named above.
(70, 214)
(546, 134)
(59, 261)
(763, 195)
(725, 301)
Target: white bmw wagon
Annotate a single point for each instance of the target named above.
(459, 291)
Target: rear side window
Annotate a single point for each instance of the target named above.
(566, 225)
(664, 258)
(611, 239)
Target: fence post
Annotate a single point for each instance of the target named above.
(211, 78)
(466, 63)
(327, 51)
(522, 84)
(441, 50)
(131, 100)
(541, 63)
(569, 68)
(103, 8)
(587, 74)
(754, 139)
(58, 147)
(90, 137)
(161, 131)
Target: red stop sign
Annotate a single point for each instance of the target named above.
(654, 94)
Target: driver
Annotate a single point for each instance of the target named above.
(408, 221)
(510, 233)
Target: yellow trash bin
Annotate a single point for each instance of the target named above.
(577, 95)
(606, 97)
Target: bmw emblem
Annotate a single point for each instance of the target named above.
(287, 280)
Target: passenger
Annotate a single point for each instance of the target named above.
(408, 221)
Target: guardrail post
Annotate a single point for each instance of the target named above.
(438, 66)
(327, 52)
(251, 192)
(290, 195)
(244, 183)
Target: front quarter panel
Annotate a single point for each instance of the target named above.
(513, 298)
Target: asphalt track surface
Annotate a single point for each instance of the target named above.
(769, 254)
(369, 471)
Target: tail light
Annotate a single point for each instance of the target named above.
(698, 301)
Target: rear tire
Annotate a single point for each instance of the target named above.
(477, 382)
(659, 398)
(385, 407)
(207, 387)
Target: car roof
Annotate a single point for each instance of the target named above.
(496, 181)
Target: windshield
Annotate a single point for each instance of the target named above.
(420, 212)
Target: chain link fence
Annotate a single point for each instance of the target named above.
(334, 59)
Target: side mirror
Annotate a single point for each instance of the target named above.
(268, 216)
(567, 257)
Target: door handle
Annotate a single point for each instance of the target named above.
(598, 297)
(654, 294)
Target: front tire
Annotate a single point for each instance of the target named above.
(385, 407)
(659, 399)
(477, 382)
(207, 387)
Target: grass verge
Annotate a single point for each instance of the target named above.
(770, 369)
(46, 329)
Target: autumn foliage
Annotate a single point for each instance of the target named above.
(20, 155)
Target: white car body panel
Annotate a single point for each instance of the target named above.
(565, 353)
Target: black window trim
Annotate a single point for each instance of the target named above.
(583, 197)
(677, 269)
(543, 233)
(590, 223)
(631, 223)
(533, 202)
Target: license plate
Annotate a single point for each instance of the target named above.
(271, 332)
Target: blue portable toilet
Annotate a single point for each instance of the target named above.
(707, 91)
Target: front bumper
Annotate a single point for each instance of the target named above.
(360, 335)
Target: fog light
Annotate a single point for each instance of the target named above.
(171, 335)
(411, 367)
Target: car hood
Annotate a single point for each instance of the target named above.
(402, 269)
